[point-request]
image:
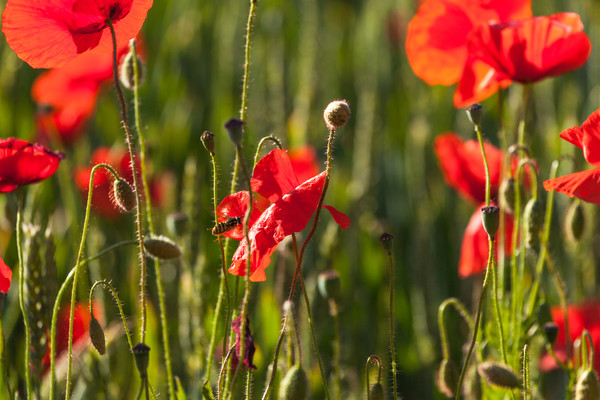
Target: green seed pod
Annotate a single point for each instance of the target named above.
(550, 331)
(123, 195)
(533, 215)
(575, 222)
(498, 375)
(474, 113)
(294, 385)
(97, 336)
(336, 114)
(329, 285)
(141, 353)
(235, 130)
(387, 241)
(447, 378)
(208, 140)
(162, 247)
(490, 216)
(127, 72)
(587, 387)
(507, 194)
(376, 392)
(177, 223)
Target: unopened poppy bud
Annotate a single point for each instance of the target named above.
(507, 194)
(141, 353)
(97, 336)
(294, 385)
(376, 392)
(336, 114)
(447, 378)
(533, 215)
(127, 72)
(387, 241)
(587, 387)
(490, 217)
(208, 140)
(124, 195)
(235, 130)
(544, 313)
(474, 113)
(575, 222)
(162, 247)
(177, 223)
(498, 375)
(550, 331)
(329, 284)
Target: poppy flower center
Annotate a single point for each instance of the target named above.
(93, 19)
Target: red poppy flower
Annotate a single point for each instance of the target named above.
(292, 205)
(49, 33)
(249, 348)
(581, 317)
(304, 162)
(102, 201)
(22, 163)
(585, 184)
(5, 277)
(436, 42)
(523, 51)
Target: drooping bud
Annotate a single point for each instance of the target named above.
(141, 353)
(498, 375)
(97, 336)
(587, 387)
(376, 392)
(533, 215)
(177, 223)
(124, 195)
(474, 113)
(575, 222)
(162, 247)
(387, 241)
(294, 385)
(490, 217)
(329, 285)
(127, 72)
(507, 194)
(336, 114)
(447, 378)
(550, 331)
(235, 130)
(208, 140)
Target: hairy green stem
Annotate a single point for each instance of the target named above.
(442, 326)
(485, 164)
(115, 295)
(391, 306)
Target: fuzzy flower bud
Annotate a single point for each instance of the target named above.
(376, 392)
(141, 353)
(575, 222)
(208, 140)
(97, 336)
(177, 223)
(474, 113)
(550, 331)
(329, 285)
(447, 378)
(587, 387)
(498, 375)
(387, 241)
(490, 217)
(294, 385)
(533, 215)
(336, 114)
(127, 72)
(235, 130)
(123, 195)
(507, 194)
(162, 247)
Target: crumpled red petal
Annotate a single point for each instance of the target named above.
(274, 175)
(584, 185)
(236, 205)
(5, 276)
(339, 217)
(304, 162)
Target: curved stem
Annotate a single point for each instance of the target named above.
(115, 295)
(485, 164)
(463, 313)
(262, 142)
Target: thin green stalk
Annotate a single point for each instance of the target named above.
(115, 295)
(3, 360)
(22, 294)
(262, 143)
(442, 326)
(391, 305)
(249, 25)
(562, 295)
(485, 164)
(497, 305)
(526, 383)
(337, 364)
(78, 265)
(477, 320)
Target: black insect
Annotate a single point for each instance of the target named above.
(226, 226)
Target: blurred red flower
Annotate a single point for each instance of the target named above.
(5, 277)
(585, 184)
(581, 317)
(463, 169)
(436, 41)
(22, 163)
(102, 201)
(49, 33)
(523, 51)
(292, 204)
(249, 348)
(304, 162)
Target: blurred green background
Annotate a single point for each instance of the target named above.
(385, 177)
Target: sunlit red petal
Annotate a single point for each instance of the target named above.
(584, 185)
(531, 49)
(23, 163)
(5, 277)
(436, 43)
(478, 82)
(463, 168)
(475, 245)
(304, 162)
(586, 138)
(236, 205)
(274, 176)
(339, 217)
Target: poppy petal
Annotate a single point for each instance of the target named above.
(586, 138)
(5, 276)
(584, 185)
(339, 217)
(304, 162)
(235, 205)
(274, 175)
